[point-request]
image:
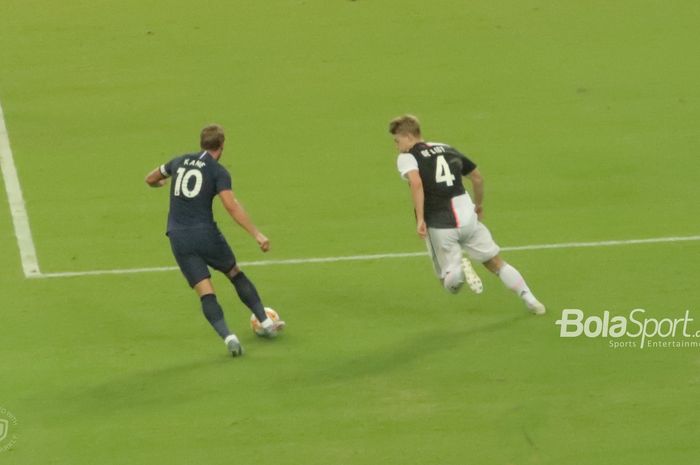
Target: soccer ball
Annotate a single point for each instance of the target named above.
(255, 324)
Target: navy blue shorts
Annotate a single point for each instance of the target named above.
(196, 249)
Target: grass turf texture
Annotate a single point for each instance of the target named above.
(582, 117)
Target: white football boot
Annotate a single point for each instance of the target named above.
(233, 345)
(473, 280)
(272, 329)
(536, 307)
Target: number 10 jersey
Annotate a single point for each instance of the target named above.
(197, 179)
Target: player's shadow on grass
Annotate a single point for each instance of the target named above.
(411, 350)
(134, 390)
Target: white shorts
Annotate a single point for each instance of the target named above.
(446, 245)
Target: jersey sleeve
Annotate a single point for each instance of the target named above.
(223, 180)
(166, 169)
(405, 164)
(467, 165)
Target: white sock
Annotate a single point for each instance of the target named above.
(515, 282)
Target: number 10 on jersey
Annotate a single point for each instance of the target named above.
(182, 183)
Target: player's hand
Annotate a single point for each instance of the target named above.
(262, 241)
(479, 212)
(159, 183)
(421, 229)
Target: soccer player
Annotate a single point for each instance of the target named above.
(446, 216)
(195, 238)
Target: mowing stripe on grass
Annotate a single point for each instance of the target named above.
(20, 219)
(346, 258)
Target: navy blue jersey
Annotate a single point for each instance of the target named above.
(197, 179)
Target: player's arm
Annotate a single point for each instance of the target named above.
(408, 168)
(470, 170)
(156, 178)
(478, 188)
(239, 215)
(418, 197)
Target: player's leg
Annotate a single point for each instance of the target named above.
(195, 270)
(215, 315)
(481, 247)
(436, 257)
(444, 248)
(220, 256)
(514, 281)
(249, 296)
(464, 234)
(247, 293)
(211, 308)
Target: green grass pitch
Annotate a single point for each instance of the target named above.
(582, 116)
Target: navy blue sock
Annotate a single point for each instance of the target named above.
(249, 295)
(214, 314)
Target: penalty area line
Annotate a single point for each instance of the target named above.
(384, 256)
(18, 210)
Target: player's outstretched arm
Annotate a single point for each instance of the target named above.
(478, 186)
(156, 179)
(239, 215)
(418, 197)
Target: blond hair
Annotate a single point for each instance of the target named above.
(405, 124)
(212, 137)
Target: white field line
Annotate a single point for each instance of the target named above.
(30, 263)
(299, 261)
(27, 252)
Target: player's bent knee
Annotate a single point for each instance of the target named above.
(233, 272)
(204, 287)
(495, 264)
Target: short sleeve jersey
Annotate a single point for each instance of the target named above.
(441, 168)
(197, 179)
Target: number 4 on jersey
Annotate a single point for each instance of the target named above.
(442, 171)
